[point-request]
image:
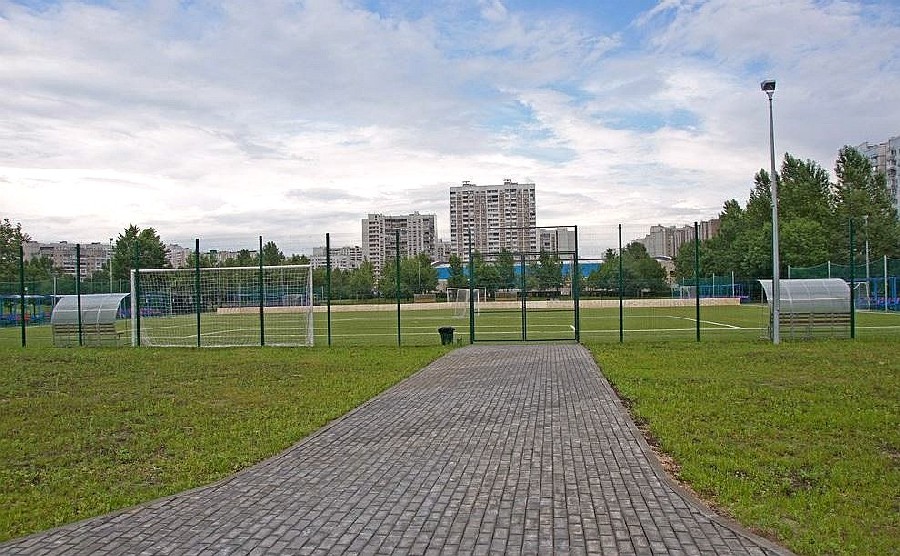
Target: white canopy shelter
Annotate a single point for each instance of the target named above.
(811, 307)
(98, 319)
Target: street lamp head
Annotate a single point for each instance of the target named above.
(768, 86)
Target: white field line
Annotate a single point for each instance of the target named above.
(709, 322)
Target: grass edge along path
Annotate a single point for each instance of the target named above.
(87, 431)
(800, 442)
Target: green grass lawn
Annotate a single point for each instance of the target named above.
(86, 431)
(419, 327)
(799, 441)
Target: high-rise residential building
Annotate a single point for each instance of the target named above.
(348, 257)
(495, 217)
(178, 256)
(379, 237)
(885, 158)
(94, 256)
(665, 241)
(557, 239)
(442, 251)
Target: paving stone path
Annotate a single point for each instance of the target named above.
(491, 449)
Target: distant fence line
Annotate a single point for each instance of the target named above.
(30, 302)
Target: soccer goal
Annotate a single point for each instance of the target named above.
(459, 300)
(223, 307)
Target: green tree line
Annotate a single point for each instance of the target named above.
(814, 216)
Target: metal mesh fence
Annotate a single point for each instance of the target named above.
(550, 292)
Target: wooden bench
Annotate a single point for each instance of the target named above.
(809, 325)
(103, 334)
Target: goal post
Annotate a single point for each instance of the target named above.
(459, 300)
(223, 307)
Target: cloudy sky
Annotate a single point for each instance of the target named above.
(288, 119)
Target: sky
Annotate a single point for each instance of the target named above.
(229, 120)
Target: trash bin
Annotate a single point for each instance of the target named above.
(446, 333)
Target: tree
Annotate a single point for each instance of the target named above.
(813, 219)
(41, 268)
(143, 244)
(486, 274)
(641, 274)
(206, 260)
(457, 278)
(506, 270)
(11, 237)
(862, 195)
(298, 259)
(362, 281)
(417, 275)
(243, 259)
(387, 279)
(547, 271)
(606, 277)
(272, 255)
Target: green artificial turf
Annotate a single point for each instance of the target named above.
(419, 324)
(86, 431)
(799, 441)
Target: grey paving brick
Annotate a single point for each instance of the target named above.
(491, 449)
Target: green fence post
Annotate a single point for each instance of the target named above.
(471, 286)
(262, 293)
(137, 293)
(697, 273)
(576, 289)
(621, 291)
(852, 281)
(197, 298)
(22, 290)
(397, 270)
(328, 284)
(78, 291)
(524, 286)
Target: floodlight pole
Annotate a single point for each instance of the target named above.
(768, 87)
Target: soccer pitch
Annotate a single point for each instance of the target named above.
(418, 325)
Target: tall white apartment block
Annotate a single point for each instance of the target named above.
(496, 217)
(884, 158)
(348, 257)
(379, 237)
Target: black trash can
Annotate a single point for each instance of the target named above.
(446, 333)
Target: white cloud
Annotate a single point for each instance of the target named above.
(213, 120)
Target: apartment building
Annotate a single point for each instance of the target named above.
(379, 237)
(94, 256)
(884, 158)
(442, 250)
(178, 256)
(493, 217)
(665, 241)
(342, 258)
(557, 240)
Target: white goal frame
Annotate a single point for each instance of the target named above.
(458, 298)
(235, 309)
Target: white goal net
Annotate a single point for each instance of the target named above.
(459, 300)
(223, 307)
